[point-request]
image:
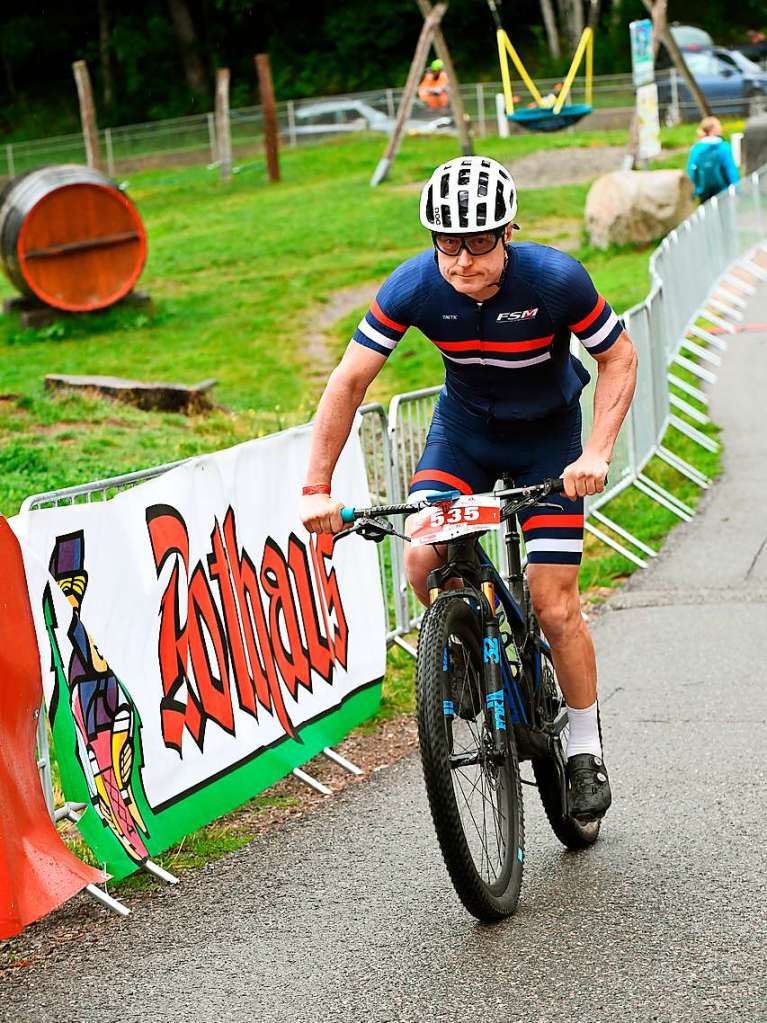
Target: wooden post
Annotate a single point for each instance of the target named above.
(462, 122)
(87, 114)
(269, 111)
(223, 132)
(406, 103)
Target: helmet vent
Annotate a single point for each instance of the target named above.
(444, 186)
(447, 220)
(500, 202)
(481, 214)
(463, 175)
(484, 178)
(463, 209)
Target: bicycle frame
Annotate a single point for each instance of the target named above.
(466, 557)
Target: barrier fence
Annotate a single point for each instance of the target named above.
(193, 139)
(701, 276)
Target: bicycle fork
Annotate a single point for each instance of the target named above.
(500, 690)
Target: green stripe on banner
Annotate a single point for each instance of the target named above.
(215, 797)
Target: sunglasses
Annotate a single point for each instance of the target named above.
(475, 244)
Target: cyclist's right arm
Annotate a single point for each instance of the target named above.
(343, 395)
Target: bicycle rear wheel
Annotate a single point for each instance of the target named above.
(474, 796)
(571, 832)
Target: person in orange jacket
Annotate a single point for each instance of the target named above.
(433, 88)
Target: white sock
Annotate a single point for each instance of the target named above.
(584, 732)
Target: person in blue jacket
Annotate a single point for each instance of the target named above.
(710, 165)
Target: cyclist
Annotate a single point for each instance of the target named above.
(501, 315)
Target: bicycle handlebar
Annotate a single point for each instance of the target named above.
(533, 490)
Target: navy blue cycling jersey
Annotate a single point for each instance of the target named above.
(507, 358)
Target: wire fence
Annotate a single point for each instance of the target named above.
(181, 140)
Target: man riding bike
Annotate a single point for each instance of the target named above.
(501, 315)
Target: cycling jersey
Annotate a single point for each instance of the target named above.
(464, 452)
(508, 358)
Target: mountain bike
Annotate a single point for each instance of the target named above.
(487, 693)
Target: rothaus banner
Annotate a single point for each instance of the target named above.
(196, 644)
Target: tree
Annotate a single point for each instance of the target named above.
(550, 24)
(105, 54)
(183, 25)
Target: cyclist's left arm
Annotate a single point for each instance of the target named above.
(616, 380)
(602, 334)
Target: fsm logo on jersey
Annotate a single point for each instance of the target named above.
(517, 314)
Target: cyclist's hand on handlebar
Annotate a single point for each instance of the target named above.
(586, 475)
(320, 513)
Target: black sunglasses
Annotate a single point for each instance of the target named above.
(478, 244)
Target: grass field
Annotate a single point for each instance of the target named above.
(237, 273)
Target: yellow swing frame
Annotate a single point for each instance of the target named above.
(506, 50)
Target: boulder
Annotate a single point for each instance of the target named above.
(629, 207)
(755, 143)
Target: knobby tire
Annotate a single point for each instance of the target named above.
(451, 619)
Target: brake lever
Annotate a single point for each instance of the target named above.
(371, 529)
(377, 530)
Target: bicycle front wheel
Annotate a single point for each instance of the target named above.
(474, 794)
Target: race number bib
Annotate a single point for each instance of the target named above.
(471, 514)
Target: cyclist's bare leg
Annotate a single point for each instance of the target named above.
(554, 589)
(419, 561)
(555, 593)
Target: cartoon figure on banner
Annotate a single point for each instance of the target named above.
(106, 722)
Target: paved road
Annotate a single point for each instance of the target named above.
(348, 915)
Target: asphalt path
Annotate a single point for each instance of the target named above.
(348, 914)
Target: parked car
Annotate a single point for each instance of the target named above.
(728, 80)
(331, 117)
(690, 37)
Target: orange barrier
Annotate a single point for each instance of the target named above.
(37, 871)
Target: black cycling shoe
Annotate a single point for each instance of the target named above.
(590, 794)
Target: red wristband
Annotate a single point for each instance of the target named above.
(316, 488)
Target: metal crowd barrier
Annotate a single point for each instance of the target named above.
(694, 297)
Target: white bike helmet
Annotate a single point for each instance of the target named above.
(470, 193)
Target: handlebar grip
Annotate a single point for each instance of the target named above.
(347, 515)
(558, 486)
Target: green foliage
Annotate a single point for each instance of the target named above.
(327, 47)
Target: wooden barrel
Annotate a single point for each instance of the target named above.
(70, 237)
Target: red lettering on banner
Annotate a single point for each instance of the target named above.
(206, 635)
(328, 583)
(232, 639)
(169, 538)
(264, 671)
(218, 566)
(284, 632)
(320, 654)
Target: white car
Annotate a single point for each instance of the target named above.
(331, 117)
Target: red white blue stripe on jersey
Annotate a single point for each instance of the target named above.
(378, 331)
(505, 354)
(527, 326)
(553, 539)
(599, 329)
(597, 332)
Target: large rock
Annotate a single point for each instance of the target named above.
(627, 207)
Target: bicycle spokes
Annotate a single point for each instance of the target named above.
(475, 770)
